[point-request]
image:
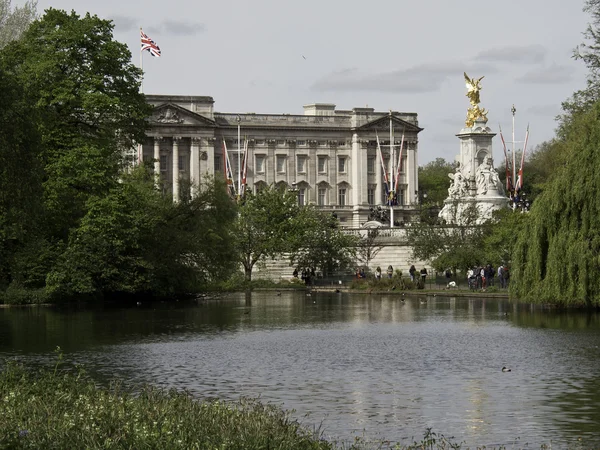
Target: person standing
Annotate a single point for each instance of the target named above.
(423, 276)
(412, 272)
(390, 271)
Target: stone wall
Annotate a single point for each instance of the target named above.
(395, 250)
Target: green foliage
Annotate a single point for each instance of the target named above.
(434, 181)
(82, 80)
(265, 226)
(319, 244)
(13, 22)
(448, 246)
(542, 165)
(134, 240)
(501, 235)
(557, 260)
(20, 172)
(65, 409)
(589, 52)
(16, 295)
(86, 108)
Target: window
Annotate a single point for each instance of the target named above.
(301, 167)
(400, 198)
(181, 162)
(342, 196)
(218, 165)
(403, 167)
(371, 195)
(371, 164)
(301, 143)
(301, 196)
(163, 163)
(322, 164)
(322, 198)
(260, 163)
(280, 163)
(342, 164)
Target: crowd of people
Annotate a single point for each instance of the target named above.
(482, 277)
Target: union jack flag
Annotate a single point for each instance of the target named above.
(149, 44)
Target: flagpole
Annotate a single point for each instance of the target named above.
(239, 119)
(514, 167)
(142, 66)
(392, 163)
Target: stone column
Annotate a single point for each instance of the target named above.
(157, 140)
(210, 155)
(378, 179)
(412, 173)
(176, 168)
(195, 164)
(357, 179)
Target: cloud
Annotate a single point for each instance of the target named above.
(552, 110)
(528, 54)
(124, 24)
(419, 79)
(555, 74)
(181, 28)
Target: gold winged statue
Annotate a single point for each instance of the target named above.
(474, 112)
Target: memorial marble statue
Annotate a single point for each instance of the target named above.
(458, 187)
(487, 178)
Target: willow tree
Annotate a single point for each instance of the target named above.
(14, 21)
(558, 258)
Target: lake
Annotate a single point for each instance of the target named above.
(354, 365)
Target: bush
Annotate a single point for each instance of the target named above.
(16, 295)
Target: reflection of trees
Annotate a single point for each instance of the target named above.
(563, 320)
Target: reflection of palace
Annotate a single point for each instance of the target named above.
(328, 155)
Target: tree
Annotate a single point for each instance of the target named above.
(450, 246)
(86, 108)
(265, 225)
(135, 240)
(434, 181)
(368, 246)
(85, 91)
(502, 234)
(20, 173)
(588, 52)
(319, 243)
(14, 22)
(558, 259)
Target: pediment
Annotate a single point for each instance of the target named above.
(172, 114)
(383, 124)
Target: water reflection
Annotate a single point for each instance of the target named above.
(389, 365)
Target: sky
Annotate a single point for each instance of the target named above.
(274, 56)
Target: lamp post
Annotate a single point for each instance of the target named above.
(239, 183)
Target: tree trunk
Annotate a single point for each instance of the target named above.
(248, 273)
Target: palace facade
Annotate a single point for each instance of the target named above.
(328, 156)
